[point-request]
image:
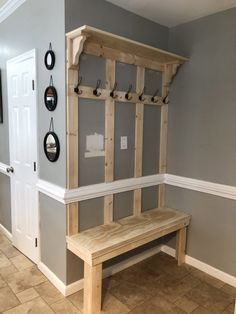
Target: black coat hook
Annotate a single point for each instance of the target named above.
(127, 95)
(153, 99)
(166, 99)
(112, 93)
(76, 89)
(95, 91)
(141, 98)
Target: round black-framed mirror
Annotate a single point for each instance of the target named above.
(51, 146)
(50, 98)
(50, 59)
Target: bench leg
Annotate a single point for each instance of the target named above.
(180, 245)
(92, 288)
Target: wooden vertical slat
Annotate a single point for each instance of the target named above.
(92, 288)
(180, 245)
(72, 132)
(166, 79)
(138, 157)
(109, 139)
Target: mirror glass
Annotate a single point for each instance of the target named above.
(49, 59)
(50, 98)
(51, 146)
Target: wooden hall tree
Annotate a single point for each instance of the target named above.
(113, 238)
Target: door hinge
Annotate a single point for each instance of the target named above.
(36, 242)
(35, 168)
(32, 84)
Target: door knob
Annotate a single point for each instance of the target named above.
(10, 169)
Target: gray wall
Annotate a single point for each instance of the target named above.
(27, 28)
(202, 112)
(5, 202)
(202, 128)
(212, 233)
(108, 17)
(53, 235)
(34, 25)
(111, 18)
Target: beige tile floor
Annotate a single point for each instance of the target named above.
(156, 285)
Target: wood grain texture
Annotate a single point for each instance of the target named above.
(87, 93)
(108, 208)
(109, 123)
(78, 44)
(72, 140)
(180, 245)
(74, 49)
(92, 289)
(109, 139)
(106, 241)
(138, 151)
(166, 79)
(126, 45)
(118, 55)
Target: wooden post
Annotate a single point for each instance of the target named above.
(109, 139)
(180, 245)
(166, 79)
(92, 288)
(138, 157)
(73, 54)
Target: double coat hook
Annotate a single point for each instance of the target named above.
(112, 93)
(166, 99)
(153, 99)
(76, 89)
(95, 91)
(141, 98)
(127, 95)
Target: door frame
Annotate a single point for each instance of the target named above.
(20, 58)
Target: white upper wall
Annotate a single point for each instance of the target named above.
(174, 12)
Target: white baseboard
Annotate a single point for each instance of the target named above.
(74, 287)
(6, 232)
(214, 272)
(52, 277)
(79, 285)
(67, 290)
(168, 250)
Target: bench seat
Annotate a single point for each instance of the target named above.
(104, 242)
(101, 243)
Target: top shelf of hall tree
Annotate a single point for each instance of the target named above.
(108, 45)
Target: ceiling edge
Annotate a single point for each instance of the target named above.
(8, 8)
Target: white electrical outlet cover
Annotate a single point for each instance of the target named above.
(123, 142)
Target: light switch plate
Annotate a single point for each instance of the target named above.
(123, 142)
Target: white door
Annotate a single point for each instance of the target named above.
(21, 77)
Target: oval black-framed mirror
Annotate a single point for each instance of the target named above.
(50, 59)
(50, 98)
(51, 146)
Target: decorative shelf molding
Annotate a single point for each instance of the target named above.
(217, 189)
(8, 8)
(119, 48)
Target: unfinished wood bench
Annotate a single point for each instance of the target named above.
(99, 244)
